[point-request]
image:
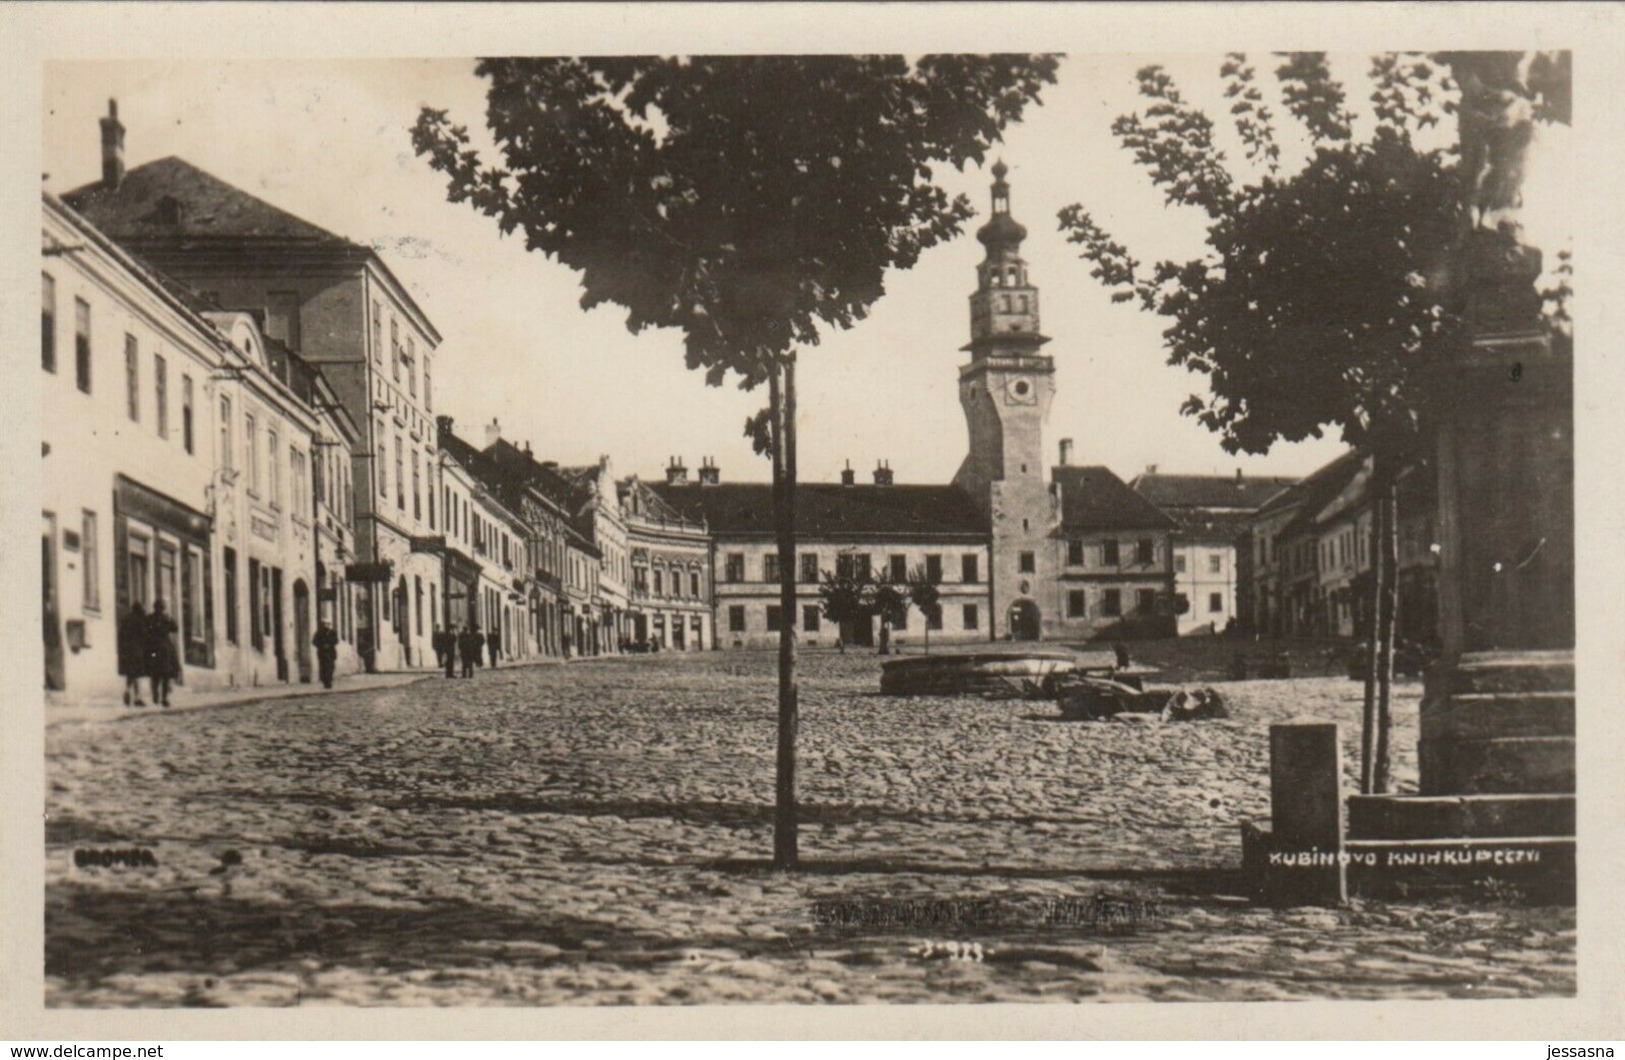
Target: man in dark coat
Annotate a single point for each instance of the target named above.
(326, 643)
(468, 646)
(493, 647)
(446, 645)
(132, 653)
(162, 658)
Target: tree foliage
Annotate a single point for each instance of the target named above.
(1312, 306)
(748, 201)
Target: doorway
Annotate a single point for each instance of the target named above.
(301, 629)
(56, 677)
(1024, 620)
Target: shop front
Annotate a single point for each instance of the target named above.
(161, 555)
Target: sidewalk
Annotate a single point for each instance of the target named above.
(59, 711)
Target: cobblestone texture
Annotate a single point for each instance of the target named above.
(597, 834)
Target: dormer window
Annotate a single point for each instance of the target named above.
(168, 211)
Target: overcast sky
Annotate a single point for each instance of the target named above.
(329, 141)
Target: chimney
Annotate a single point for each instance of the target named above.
(112, 147)
(493, 433)
(848, 477)
(676, 473)
(882, 473)
(1150, 469)
(710, 474)
(527, 447)
(1066, 452)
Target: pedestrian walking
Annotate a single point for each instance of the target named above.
(132, 653)
(468, 646)
(326, 643)
(446, 645)
(493, 647)
(162, 659)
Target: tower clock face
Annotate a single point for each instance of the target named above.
(1020, 392)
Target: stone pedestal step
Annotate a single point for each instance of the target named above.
(1406, 817)
(1507, 765)
(1524, 671)
(1486, 716)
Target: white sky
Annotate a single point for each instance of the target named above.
(329, 141)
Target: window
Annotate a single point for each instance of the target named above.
(736, 619)
(694, 583)
(378, 333)
(252, 454)
(229, 560)
(187, 418)
(902, 619)
(1146, 601)
(428, 391)
(1215, 563)
(296, 460)
(1145, 551)
(132, 378)
(1077, 604)
(860, 567)
(734, 570)
(843, 565)
(400, 475)
(770, 568)
(417, 488)
(1028, 563)
(809, 568)
(225, 433)
(968, 568)
(273, 469)
(160, 393)
(660, 583)
(47, 322)
(282, 317)
(411, 366)
(90, 559)
(1179, 563)
(1215, 603)
(775, 615)
(972, 616)
(809, 618)
(898, 566)
(1074, 553)
(933, 617)
(1111, 602)
(933, 570)
(1108, 552)
(81, 343)
(395, 349)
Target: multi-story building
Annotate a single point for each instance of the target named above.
(337, 305)
(180, 450)
(1113, 556)
(599, 520)
(497, 538)
(1210, 510)
(670, 559)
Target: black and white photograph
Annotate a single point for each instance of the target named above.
(817, 523)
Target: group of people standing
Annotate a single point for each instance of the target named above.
(146, 648)
(465, 645)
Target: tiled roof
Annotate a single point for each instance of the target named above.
(204, 206)
(828, 509)
(1093, 498)
(1208, 491)
(1314, 493)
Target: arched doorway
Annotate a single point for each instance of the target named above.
(301, 629)
(1024, 620)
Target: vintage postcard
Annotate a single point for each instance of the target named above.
(861, 507)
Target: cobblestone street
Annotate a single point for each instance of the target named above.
(597, 833)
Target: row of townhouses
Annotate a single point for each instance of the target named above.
(240, 422)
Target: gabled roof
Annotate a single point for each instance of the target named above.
(204, 206)
(1208, 491)
(1093, 498)
(1313, 494)
(828, 509)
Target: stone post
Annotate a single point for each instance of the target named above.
(1305, 859)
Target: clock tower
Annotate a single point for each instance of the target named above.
(1006, 391)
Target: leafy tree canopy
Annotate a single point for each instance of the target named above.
(745, 200)
(1316, 303)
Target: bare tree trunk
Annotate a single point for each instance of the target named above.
(1387, 615)
(1368, 717)
(782, 401)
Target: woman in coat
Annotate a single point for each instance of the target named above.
(163, 660)
(132, 653)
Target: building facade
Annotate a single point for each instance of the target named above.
(670, 558)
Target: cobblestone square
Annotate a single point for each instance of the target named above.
(597, 833)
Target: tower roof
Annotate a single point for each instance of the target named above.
(1001, 230)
